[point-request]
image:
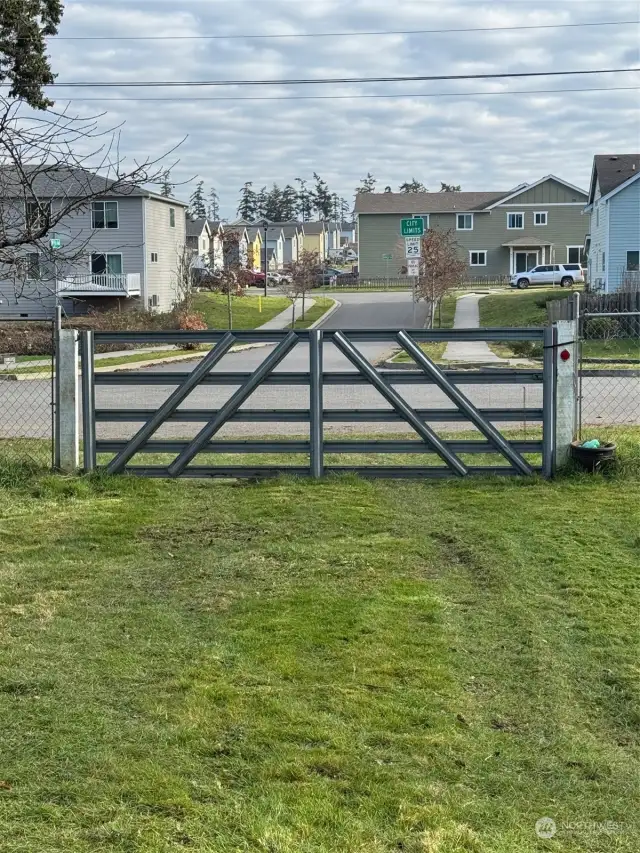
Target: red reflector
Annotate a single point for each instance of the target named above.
(565, 355)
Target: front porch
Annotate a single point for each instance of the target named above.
(526, 253)
(106, 284)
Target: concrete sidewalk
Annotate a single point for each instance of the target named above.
(468, 317)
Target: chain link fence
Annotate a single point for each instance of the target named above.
(27, 352)
(609, 371)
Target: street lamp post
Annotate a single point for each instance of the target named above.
(266, 260)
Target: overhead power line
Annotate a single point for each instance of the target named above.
(343, 34)
(98, 84)
(183, 98)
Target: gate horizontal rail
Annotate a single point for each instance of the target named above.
(396, 377)
(243, 336)
(336, 416)
(186, 454)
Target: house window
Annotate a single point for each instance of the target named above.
(172, 217)
(575, 255)
(540, 217)
(633, 261)
(103, 264)
(603, 261)
(478, 259)
(154, 257)
(104, 214)
(464, 222)
(597, 216)
(32, 266)
(515, 221)
(38, 214)
(425, 219)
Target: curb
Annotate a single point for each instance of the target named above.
(327, 314)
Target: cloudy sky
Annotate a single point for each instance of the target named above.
(437, 130)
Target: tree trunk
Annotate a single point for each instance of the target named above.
(229, 309)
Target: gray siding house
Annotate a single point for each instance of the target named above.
(120, 249)
(498, 233)
(614, 240)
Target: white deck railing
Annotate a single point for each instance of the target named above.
(107, 284)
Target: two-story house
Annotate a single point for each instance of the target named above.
(275, 246)
(614, 239)
(122, 247)
(497, 233)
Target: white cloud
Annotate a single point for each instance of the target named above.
(482, 142)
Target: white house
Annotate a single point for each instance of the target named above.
(614, 204)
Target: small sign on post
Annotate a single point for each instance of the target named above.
(412, 227)
(412, 247)
(387, 257)
(413, 266)
(55, 243)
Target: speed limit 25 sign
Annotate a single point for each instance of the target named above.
(412, 247)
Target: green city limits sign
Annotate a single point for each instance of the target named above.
(412, 227)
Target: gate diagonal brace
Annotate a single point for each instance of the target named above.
(232, 405)
(463, 403)
(406, 412)
(118, 463)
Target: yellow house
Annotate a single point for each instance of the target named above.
(255, 248)
(314, 238)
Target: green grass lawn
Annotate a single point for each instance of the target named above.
(321, 305)
(517, 308)
(306, 667)
(444, 320)
(246, 312)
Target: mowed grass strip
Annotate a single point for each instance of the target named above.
(335, 666)
(246, 313)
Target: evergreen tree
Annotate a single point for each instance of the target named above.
(449, 188)
(335, 208)
(214, 205)
(24, 63)
(197, 205)
(412, 186)
(166, 187)
(367, 185)
(273, 204)
(345, 210)
(305, 200)
(289, 203)
(247, 208)
(321, 198)
(261, 203)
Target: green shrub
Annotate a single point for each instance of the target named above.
(525, 349)
(601, 328)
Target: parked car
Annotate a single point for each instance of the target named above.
(566, 275)
(256, 278)
(279, 277)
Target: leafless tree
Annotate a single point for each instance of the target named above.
(299, 279)
(441, 269)
(53, 165)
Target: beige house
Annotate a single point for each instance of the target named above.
(314, 239)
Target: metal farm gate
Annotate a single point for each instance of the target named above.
(195, 456)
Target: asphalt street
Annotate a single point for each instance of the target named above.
(25, 406)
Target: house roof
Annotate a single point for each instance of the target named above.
(527, 241)
(612, 170)
(312, 228)
(426, 202)
(523, 188)
(195, 227)
(274, 233)
(253, 232)
(67, 182)
(291, 230)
